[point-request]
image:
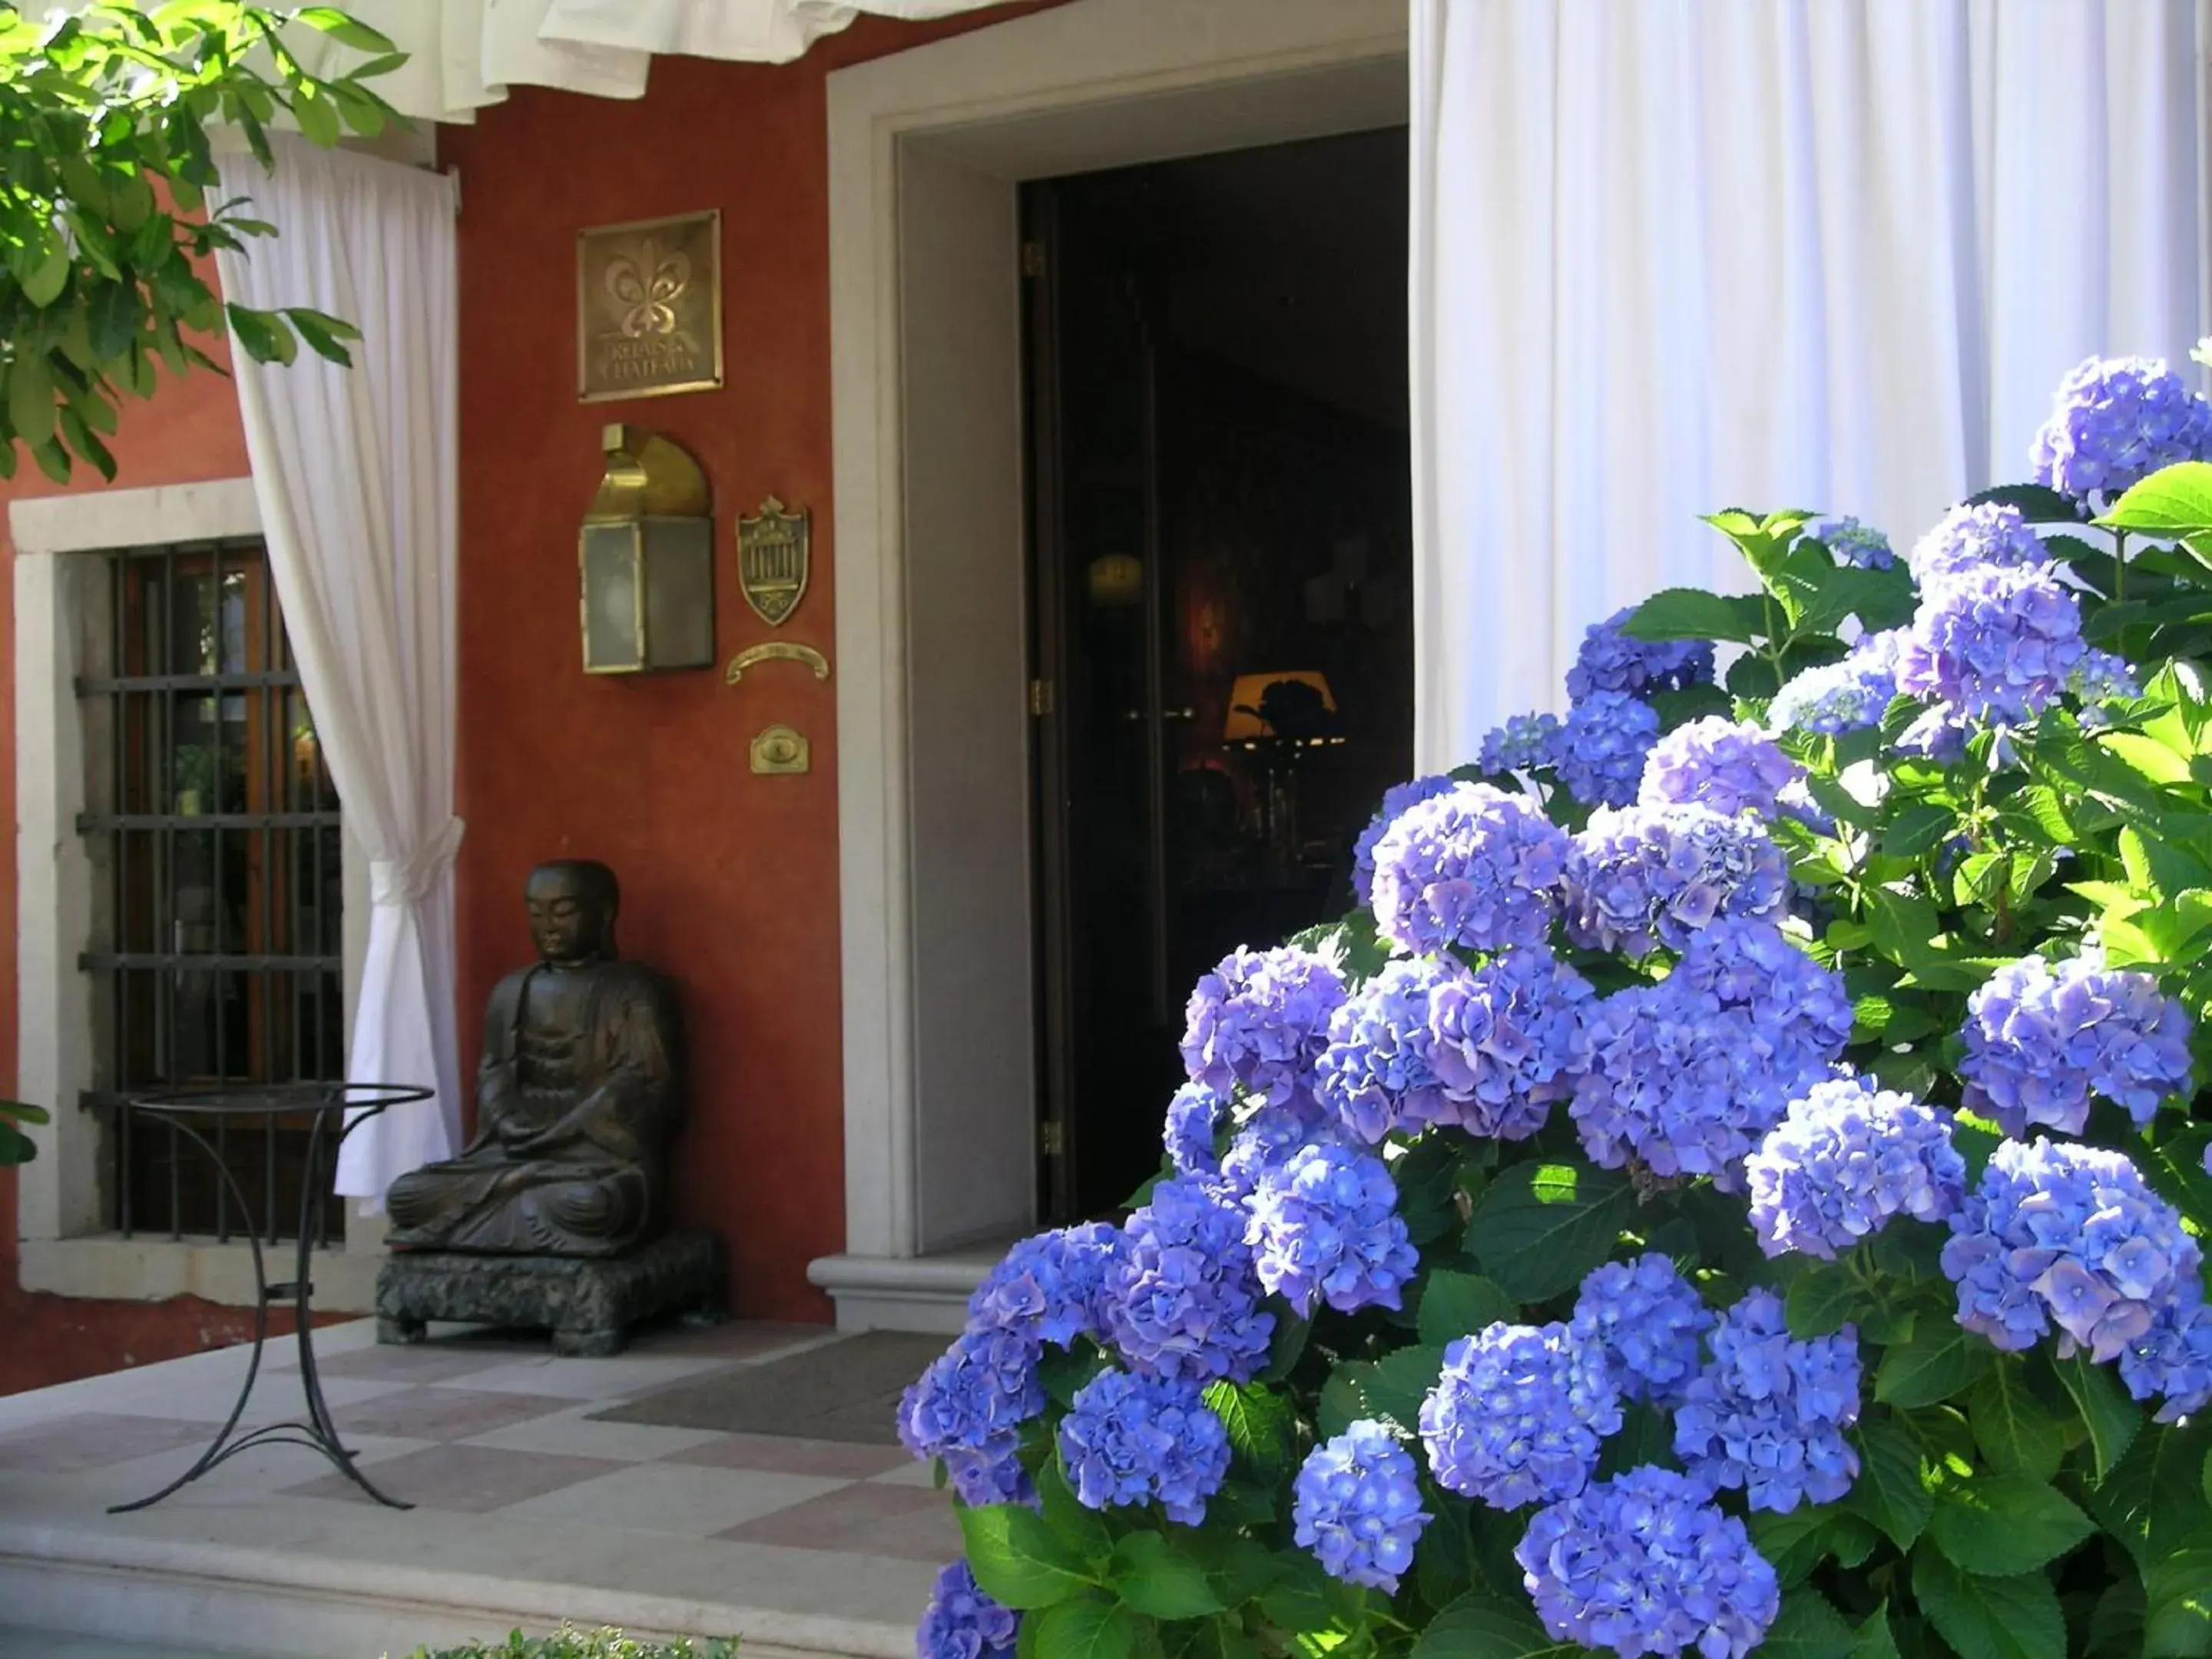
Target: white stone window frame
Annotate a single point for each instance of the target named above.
(67, 1243)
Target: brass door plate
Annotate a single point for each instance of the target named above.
(779, 751)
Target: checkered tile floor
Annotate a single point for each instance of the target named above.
(493, 1442)
(473, 1428)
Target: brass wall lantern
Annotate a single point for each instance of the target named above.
(647, 557)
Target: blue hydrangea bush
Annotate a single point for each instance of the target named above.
(1737, 1182)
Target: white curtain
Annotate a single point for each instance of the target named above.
(1671, 256)
(466, 54)
(354, 472)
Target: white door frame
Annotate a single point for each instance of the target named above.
(927, 149)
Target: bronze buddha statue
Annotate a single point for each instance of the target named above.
(578, 1098)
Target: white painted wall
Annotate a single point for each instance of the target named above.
(975, 1054)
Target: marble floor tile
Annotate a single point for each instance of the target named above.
(673, 1497)
(95, 1440)
(789, 1454)
(868, 1519)
(469, 1480)
(440, 1411)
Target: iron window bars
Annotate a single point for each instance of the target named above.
(216, 827)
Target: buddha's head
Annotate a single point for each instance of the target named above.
(573, 903)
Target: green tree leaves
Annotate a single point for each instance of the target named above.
(100, 277)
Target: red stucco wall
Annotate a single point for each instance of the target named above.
(730, 880)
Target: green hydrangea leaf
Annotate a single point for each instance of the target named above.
(1483, 1625)
(1541, 1228)
(1938, 1361)
(1159, 1581)
(2112, 1418)
(1989, 1617)
(1889, 1491)
(1819, 1302)
(1457, 1305)
(2002, 1525)
(1260, 1422)
(1808, 1627)
(2016, 1431)
(1088, 1628)
(1017, 1559)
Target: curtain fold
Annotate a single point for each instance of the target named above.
(464, 54)
(1687, 254)
(355, 472)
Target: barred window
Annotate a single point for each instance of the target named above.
(214, 831)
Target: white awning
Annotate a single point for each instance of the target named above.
(464, 54)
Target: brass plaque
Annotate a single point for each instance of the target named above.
(776, 650)
(779, 751)
(772, 560)
(649, 308)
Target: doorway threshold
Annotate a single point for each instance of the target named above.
(926, 1293)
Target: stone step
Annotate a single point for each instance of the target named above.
(232, 1601)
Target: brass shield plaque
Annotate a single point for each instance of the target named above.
(649, 308)
(772, 560)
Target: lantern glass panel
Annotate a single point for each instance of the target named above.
(679, 593)
(614, 571)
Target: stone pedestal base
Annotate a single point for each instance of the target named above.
(588, 1305)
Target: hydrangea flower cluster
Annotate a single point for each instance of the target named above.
(967, 1409)
(1646, 1319)
(1266, 1141)
(1967, 538)
(1994, 642)
(1609, 661)
(1357, 1505)
(1376, 1074)
(1477, 867)
(1601, 748)
(1194, 1119)
(1506, 1041)
(2115, 422)
(1768, 1414)
(1847, 1157)
(1395, 800)
(1644, 1563)
(2040, 1040)
(1260, 1019)
(1639, 877)
(961, 1622)
(1180, 1297)
(1517, 1415)
(1837, 698)
(2100, 677)
(1524, 743)
(1325, 1227)
(1852, 542)
(1686, 1076)
(1047, 1286)
(2172, 1360)
(2060, 1231)
(1129, 1440)
(1717, 763)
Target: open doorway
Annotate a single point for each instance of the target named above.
(1220, 499)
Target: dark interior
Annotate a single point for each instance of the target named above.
(1221, 489)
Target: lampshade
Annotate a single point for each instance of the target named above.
(1249, 696)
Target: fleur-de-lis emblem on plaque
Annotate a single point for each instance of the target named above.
(645, 284)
